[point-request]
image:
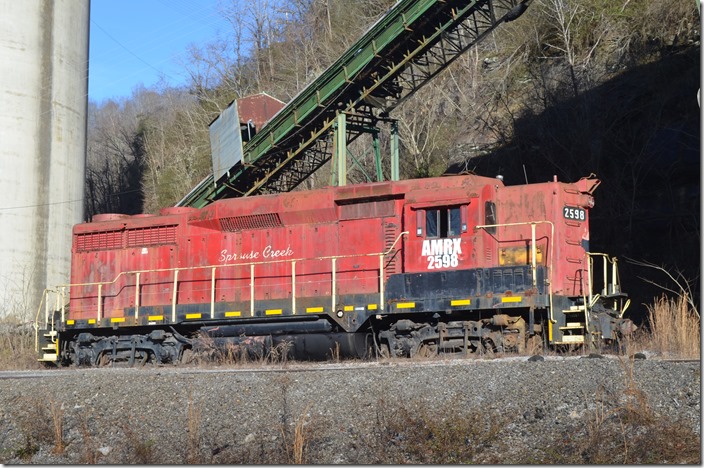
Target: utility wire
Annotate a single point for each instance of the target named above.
(208, 19)
(7, 208)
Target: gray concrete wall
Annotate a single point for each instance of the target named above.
(43, 106)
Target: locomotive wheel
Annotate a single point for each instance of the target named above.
(491, 348)
(426, 350)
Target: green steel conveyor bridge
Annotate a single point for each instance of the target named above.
(400, 53)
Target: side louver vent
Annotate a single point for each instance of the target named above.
(259, 221)
(153, 235)
(104, 240)
(118, 239)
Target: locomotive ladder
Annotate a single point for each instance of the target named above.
(577, 329)
(46, 338)
(404, 50)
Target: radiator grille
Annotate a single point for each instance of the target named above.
(258, 221)
(98, 241)
(152, 235)
(118, 239)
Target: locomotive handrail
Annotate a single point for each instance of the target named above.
(615, 287)
(45, 302)
(213, 268)
(534, 266)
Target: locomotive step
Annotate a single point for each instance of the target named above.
(49, 357)
(51, 334)
(50, 347)
(618, 295)
(574, 309)
(571, 339)
(573, 326)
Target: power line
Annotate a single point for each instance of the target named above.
(129, 51)
(206, 15)
(7, 208)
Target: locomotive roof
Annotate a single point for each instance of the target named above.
(317, 205)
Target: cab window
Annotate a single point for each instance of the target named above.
(443, 222)
(490, 216)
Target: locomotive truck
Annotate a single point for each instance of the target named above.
(452, 264)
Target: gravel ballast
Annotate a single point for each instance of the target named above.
(234, 414)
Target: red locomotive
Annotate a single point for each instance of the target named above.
(457, 263)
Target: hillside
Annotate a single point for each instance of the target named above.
(573, 87)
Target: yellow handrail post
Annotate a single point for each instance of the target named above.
(136, 297)
(212, 293)
(173, 297)
(534, 254)
(63, 303)
(251, 290)
(333, 292)
(100, 302)
(381, 281)
(293, 287)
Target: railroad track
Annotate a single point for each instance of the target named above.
(299, 366)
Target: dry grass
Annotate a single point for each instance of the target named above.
(674, 328)
(622, 428)
(141, 450)
(410, 433)
(207, 352)
(17, 345)
(193, 453)
(89, 448)
(296, 444)
(57, 420)
(40, 422)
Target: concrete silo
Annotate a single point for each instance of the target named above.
(43, 105)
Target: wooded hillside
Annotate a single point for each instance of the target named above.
(571, 88)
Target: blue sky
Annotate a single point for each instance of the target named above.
(136, 42)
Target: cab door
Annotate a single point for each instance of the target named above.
(439, 236)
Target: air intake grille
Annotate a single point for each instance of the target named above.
(98, 241)
(138, 237)
(259, 221)
(153, 235)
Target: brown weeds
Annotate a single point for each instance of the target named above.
(412, 433)
(89, 449)
(623, 429)
(193, 427)
(17, 346)
(141, 450)
(674, 327)
(57, 419)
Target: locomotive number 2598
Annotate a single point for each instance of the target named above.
(578, 214)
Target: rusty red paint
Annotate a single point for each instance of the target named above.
(259, 108)
(272, 230)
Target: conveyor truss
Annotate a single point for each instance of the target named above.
(404, 50)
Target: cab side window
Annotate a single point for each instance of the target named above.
(443, 222)
(490, 216)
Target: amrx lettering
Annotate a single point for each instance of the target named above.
(441, 253)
